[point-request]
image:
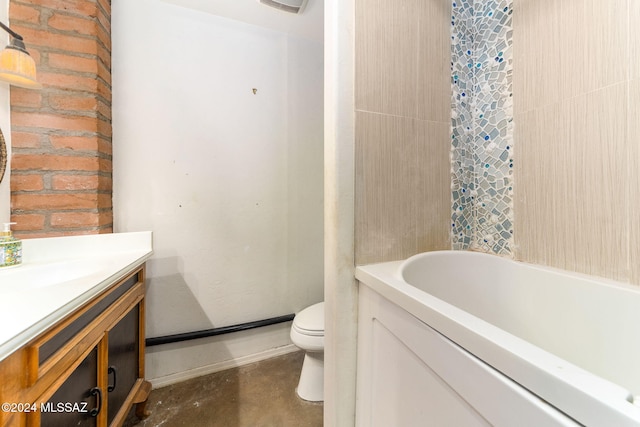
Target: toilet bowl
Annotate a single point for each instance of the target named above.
(307, 333)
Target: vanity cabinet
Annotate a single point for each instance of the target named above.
(80, 388)
(86, 370)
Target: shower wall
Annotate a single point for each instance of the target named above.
(576, 85)
(402, 121)
(544, 145)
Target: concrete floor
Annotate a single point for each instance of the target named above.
(260, 394)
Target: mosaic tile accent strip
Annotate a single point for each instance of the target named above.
(482, 126)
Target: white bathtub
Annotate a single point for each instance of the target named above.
(455, 338)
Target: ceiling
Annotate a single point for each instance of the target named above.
(308, 24)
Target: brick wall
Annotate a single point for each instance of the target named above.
(61, 171)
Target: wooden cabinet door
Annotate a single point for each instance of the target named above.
(78, 400)
(123, 370)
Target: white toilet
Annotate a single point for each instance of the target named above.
(307, 332)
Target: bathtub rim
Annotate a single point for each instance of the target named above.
(584, 396)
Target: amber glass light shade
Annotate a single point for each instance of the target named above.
(18, 68)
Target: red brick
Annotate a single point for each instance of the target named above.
(53, 121)
(105, 146)
(73, 62)
(104, 89)
(26, 98)
(25, 140)
(43, 38)
(72, 50)
(105, 201)
(104, 35)
(106, 6)
(20, 201)
(34, 52)
(74, 182)
(106, 165)
(106, 218)
(73, 103)
(79, 7)
(105, 183)
(104, 21)
(104, 109)
(104, 128)
(104, 55)
(51, 162)
(23, 12)
(68, 81)
(104, 73)
(75, 219)
(80, 143)
(74, 24)
(28, 221)
(26, 182)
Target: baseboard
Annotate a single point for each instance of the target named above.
(221, 366)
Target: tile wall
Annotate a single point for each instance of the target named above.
(576, 86)
(481, 126)
(402, 93)
(540, 104)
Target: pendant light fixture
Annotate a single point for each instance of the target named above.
(17, 67)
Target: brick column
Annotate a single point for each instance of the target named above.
(61, 170)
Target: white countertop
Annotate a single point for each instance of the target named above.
(60, 274)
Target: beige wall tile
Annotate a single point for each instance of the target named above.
(434, 61)
(571, 186)
(403, 59)
(536, 53)
(598, 183)
(385, 187)
(634, 180)
(634, 39)
(565, 48)
(386, 56)
(433, 186)
(538, 186)
(594, 48)
(571, 71)
(402, 187)
(606, 41)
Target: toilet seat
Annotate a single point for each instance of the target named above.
(310, 321)
(307, 330)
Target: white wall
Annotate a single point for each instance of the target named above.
(229, 181)
(5, 124)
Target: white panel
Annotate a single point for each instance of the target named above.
(407, 392)
(403, 363)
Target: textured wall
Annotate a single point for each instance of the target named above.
(233, 190)
(577, 102)
(61, 134)
(402, 128)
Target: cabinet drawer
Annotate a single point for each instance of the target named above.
(55, 342)
(77, 333)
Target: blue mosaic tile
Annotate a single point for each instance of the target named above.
(482, 126)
